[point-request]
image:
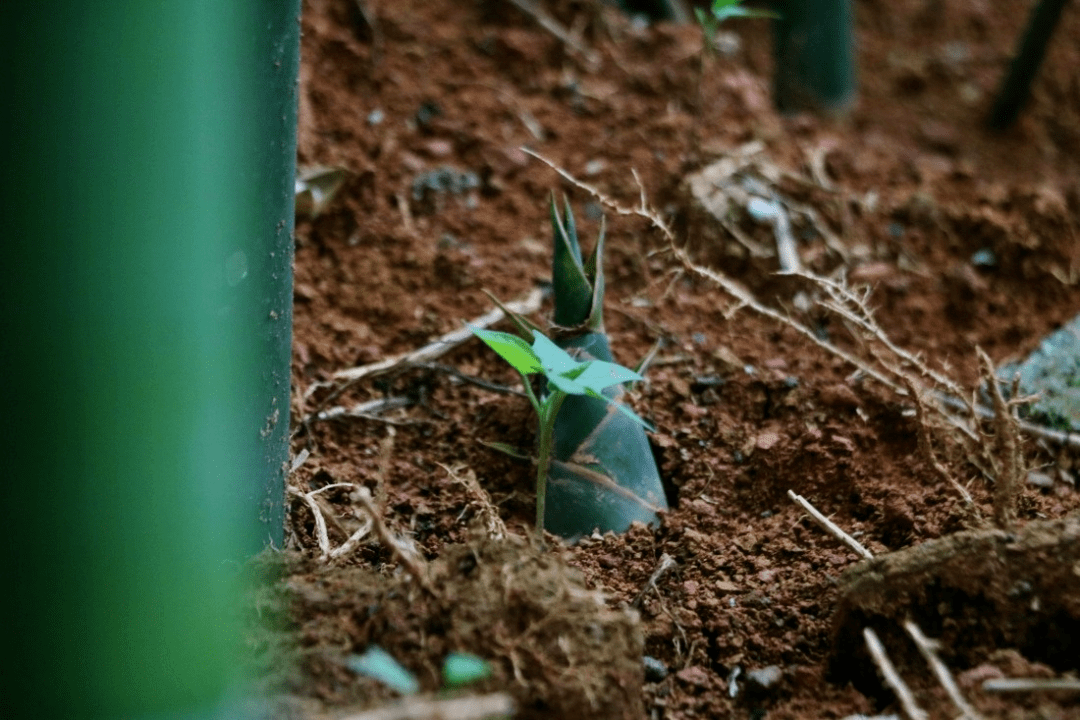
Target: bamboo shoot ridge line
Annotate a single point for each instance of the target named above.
(603, 475)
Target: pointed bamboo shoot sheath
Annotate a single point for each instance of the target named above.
(603, 475)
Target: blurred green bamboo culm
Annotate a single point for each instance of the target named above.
(146, 310)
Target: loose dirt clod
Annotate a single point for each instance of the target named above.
(556, 646)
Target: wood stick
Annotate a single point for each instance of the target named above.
(928, 648)
(1008, 685)
(548, 23)
(477, 707)
(441, 346)
(892, 677)
(831, 527)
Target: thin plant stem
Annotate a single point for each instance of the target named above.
(532, 395)
(546, 433)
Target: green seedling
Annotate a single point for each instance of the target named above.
(565, 377)
(595, 468)
(722, 10)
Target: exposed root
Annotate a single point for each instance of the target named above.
(493, 526)
(1009, 463)
(412, 563)
(926, 446)
(368, 512)
(321, 535)
(666, 563)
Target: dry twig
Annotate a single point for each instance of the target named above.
(369, 410)
(892, 677)
(929, 649)
(666, 563)
(1011, 685)
(476, 707)
(562, 34)
(831, 527)
(1009, 463)
(436, 349)
(344, 379)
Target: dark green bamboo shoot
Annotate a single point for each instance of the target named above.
(603, 475)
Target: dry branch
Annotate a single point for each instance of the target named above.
(438, 348)
(1011, 685)
(477, 707)
(892, 677)
(1007, 448)
(929, 649)
(831, 527)
(548, 23)
(666, 563)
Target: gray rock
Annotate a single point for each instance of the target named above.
(655, 670)
(1053, 371)
(764, 679)
(1040, 480)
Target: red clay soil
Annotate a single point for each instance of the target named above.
(742, 605)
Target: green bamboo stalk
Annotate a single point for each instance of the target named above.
(814, 51)
(145, 296)
(603, 475)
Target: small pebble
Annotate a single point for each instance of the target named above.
(655, 670)
(984, 258)
(594, 167)
(1040, 480)
(766, 678)
(762, 210)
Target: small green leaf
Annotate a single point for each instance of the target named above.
(724, 9)
(599, 374)
(464, 668)
(567, 385)
(553, 358)
(624, 409)
(507, 449)
(378, 664)
(512, 349)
